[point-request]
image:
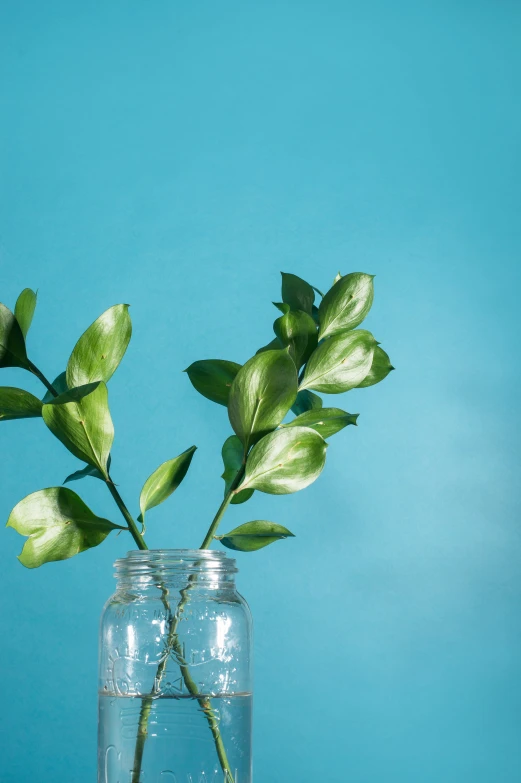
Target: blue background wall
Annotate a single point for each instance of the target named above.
(176, 156)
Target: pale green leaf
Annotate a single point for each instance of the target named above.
(326, 421)
(81, 419)
(346, 304)
(24, 309)
(262, 393)
(254, 535)
(59, 526)
(18, 404)
(100, 349)
(285, 461)
(380, 368)
(340, 363)
(164, 480)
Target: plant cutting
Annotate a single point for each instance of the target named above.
(175, 658)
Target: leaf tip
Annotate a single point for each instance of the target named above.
(25, 565)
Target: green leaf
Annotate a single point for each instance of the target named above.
(306, 401)
(337, 278)
(242, 497)
(326, 421)
(254, 535)
(12, 343)
(80, 418)
(18, 404)
(232, 454)
(100, 349)
(86, 472)
(380, 368)
(297, 331)
(59, 384)
(262, 393)
(285, 461)
(346, 304)
(275, 345)
(165, 480)
(213, 378)
(59, 526)
(340, 363)
(297, 293)
(24, 309)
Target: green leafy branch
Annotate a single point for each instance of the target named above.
(315, 349)
(75, 409)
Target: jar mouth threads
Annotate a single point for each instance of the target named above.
(171, 563)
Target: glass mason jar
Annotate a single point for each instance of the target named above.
(175, 677)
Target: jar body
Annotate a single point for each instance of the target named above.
(175, 679)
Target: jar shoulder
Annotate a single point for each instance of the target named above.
(152, 606)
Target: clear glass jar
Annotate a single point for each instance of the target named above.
(175, 677)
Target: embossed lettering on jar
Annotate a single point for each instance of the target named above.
(175, 684)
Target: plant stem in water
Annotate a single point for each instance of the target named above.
(173, 645)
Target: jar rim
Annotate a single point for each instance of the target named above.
(205, 553)
(144, 561)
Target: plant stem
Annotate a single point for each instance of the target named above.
(173, 645)
(132, 527)
(35, 371)
(212, 530)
